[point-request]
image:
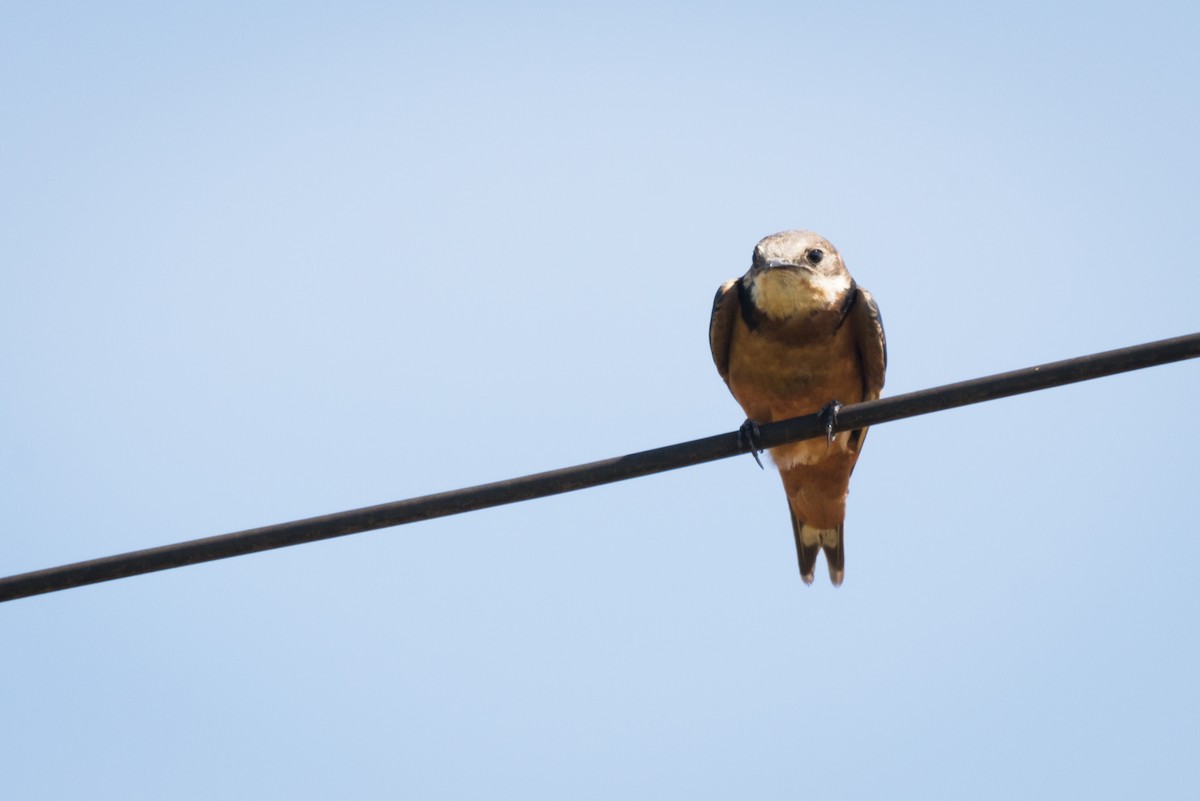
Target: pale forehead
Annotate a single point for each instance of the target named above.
(791, 243)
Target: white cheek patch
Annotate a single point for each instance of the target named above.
(830, 287)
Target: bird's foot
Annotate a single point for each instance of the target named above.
(828, 417)
(748, 439)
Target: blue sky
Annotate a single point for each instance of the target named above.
(265, 261)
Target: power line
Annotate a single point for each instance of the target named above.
(721, 446)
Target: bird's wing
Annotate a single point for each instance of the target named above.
(871, 343)
(720, 326)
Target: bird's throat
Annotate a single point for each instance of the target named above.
(784, 293)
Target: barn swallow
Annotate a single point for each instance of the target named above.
(796, 336)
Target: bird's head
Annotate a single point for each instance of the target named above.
(796, 272)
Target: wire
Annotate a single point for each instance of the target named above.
(721, 446)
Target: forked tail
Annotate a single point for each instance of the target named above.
(811, 541)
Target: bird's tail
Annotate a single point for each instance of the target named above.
(810, 541)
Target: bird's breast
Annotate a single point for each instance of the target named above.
(782, 371)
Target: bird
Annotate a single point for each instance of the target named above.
(797, 336)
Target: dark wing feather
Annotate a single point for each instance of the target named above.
(872, 345)
(720, 326)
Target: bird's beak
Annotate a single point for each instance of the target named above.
(773, 263)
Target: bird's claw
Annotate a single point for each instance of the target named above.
(828, 417)
(748, 440)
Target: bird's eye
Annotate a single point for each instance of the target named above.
(814, 256)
